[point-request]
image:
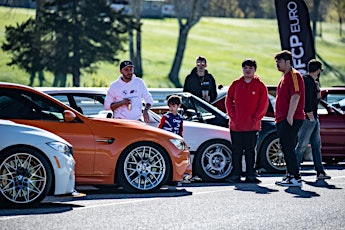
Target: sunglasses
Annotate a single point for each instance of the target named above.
(200, 64)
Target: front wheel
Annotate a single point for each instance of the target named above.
(213, 160)
(25, 177)
(271, 155)
(143, 167)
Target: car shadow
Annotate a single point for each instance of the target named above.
(58, 204)
(42, 208)
(114, 192)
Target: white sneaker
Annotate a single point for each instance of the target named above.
(290, 181)
(323, 176)
(196, 178)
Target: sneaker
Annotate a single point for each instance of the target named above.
(196, 178)
(290, 181)
(323, 176)
(185, 181)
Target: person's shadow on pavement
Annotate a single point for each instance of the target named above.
(300, 193)
(248, 187)
(321, 184)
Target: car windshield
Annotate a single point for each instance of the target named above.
(88, 105)
(197, 104)
(332, 97)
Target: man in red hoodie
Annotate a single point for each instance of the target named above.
(246, 103)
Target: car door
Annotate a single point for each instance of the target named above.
(332, 130)
(34, 109)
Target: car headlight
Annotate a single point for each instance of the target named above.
(60, 147)
(180, 144)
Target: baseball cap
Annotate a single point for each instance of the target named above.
(125, 64)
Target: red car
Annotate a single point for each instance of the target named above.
(334, 96)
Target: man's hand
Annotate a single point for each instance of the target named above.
(289, 119)
(292, 108)
(146, 116)
(311, 116)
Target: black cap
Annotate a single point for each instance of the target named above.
(125, 64)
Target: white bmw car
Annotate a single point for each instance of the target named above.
(209, 145)
(34, 163)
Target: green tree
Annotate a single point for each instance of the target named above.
(25, 47)
(249, 8)
(82, 33)
(222, 8)
(188, 14)
(135, 50)
(339, 6)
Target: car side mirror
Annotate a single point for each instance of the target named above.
(69, 116)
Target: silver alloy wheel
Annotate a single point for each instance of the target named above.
(216, 161)
(145, 168)
(23, 178)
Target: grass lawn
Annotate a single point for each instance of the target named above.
(224, 41)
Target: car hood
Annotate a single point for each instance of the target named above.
(25, 132)
(195, 133)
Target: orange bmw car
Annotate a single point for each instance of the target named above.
(138, 157)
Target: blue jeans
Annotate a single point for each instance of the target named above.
(310, 133)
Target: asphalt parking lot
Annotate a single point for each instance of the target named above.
(316, 205)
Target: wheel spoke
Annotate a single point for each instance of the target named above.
(216, 161)
(144, 168)
(23, 178)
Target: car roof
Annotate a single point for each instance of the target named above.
(334, 89)
(54, 90)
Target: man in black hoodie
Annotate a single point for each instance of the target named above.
(200, 82)
(310, 129)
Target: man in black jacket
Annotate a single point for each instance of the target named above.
(310, 129)
(200, 82)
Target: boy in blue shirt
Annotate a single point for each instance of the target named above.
(172, 121)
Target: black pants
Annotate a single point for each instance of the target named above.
(243, 143)
(288, 140)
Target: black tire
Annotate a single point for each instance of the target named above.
(25, 177)
(213, 160)
(271, 155)
(143, 167)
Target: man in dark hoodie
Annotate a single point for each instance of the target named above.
(246, 103)
(200, 82)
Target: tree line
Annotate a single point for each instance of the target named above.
(68, 36)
